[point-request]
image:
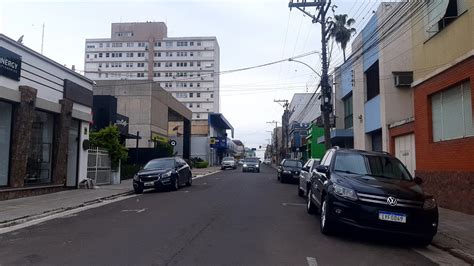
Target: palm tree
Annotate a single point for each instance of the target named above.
(342, 32)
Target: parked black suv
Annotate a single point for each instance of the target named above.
(165, 172)
(371, 190)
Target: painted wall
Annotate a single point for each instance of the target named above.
(431, 55)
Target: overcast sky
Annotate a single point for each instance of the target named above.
(249, 33)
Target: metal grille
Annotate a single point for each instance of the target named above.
(99, 166)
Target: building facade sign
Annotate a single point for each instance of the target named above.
(10, 64)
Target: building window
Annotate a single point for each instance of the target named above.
(452, 113)
(191, 54)
(156, 74)
(169, 44)
(107, 44)
(191, 95)
(101, 45)
(168, 64)
(130, 44)
(140, 64)
(169, 54)
(106, 65)
(100, 55)
(107, 55)
(212, 95)
(198, 105)
(140, 75)
(348, 113)
(158, 44)
(157, 64)
(117, 44)
(198, 116)
(181, 95)
(140, 54)
(191, 64)
(198, 43)
(5, 132)
(87, 55)
(191, 43)
(373, 82)
(191, 84)
(198, 64)
(38, 169)
(198, 84)
(158, 54)
(191, 105)
(198, 94)
(129, 65)
(129, 54)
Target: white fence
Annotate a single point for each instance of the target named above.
(99, 166)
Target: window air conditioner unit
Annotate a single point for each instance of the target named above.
(403, 79)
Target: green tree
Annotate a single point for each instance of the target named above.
(109, 139)
(342, 31)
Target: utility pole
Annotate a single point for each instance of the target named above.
(276, 139)
(284, 125)
(42, 39)
(326, 106)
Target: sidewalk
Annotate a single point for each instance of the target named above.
(24, 209)
(198, 172)
(456, 234)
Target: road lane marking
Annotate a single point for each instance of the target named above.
(200, 176)
(312, 261)
(293, 204)
(137, 211)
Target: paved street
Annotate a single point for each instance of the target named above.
(229, 218)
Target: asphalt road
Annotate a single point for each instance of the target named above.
(229, 218)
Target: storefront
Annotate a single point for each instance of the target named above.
(44, 123)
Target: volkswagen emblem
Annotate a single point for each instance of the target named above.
(392, 201)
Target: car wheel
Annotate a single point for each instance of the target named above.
(310, 208)
(175, 184)
(326, 225)
(138, 190)
(300, 191)
(190, 181)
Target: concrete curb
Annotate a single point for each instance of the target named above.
(28, 218)
(469, 258)
(211, 173)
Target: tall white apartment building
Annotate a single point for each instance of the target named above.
(187, 67)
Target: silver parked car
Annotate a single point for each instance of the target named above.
(305, 176)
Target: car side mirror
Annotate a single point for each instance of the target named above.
(306, 168)
(418, 180)
(322, 169)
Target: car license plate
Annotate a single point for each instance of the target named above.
(392, 217)
(149, 184)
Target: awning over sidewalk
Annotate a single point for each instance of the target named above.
(338, 134)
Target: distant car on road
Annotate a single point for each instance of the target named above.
(240, 162)
(251, 164)
(267, 161)
(371, 190)
(170, 172)
(305, 176)
(228, 162)
(289, 169)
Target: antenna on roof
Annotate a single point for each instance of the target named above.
(20, 40)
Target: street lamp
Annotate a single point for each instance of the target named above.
(301, 62)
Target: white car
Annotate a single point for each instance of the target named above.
(228, 162)
(267, 161)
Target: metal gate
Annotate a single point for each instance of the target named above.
(99, 166)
